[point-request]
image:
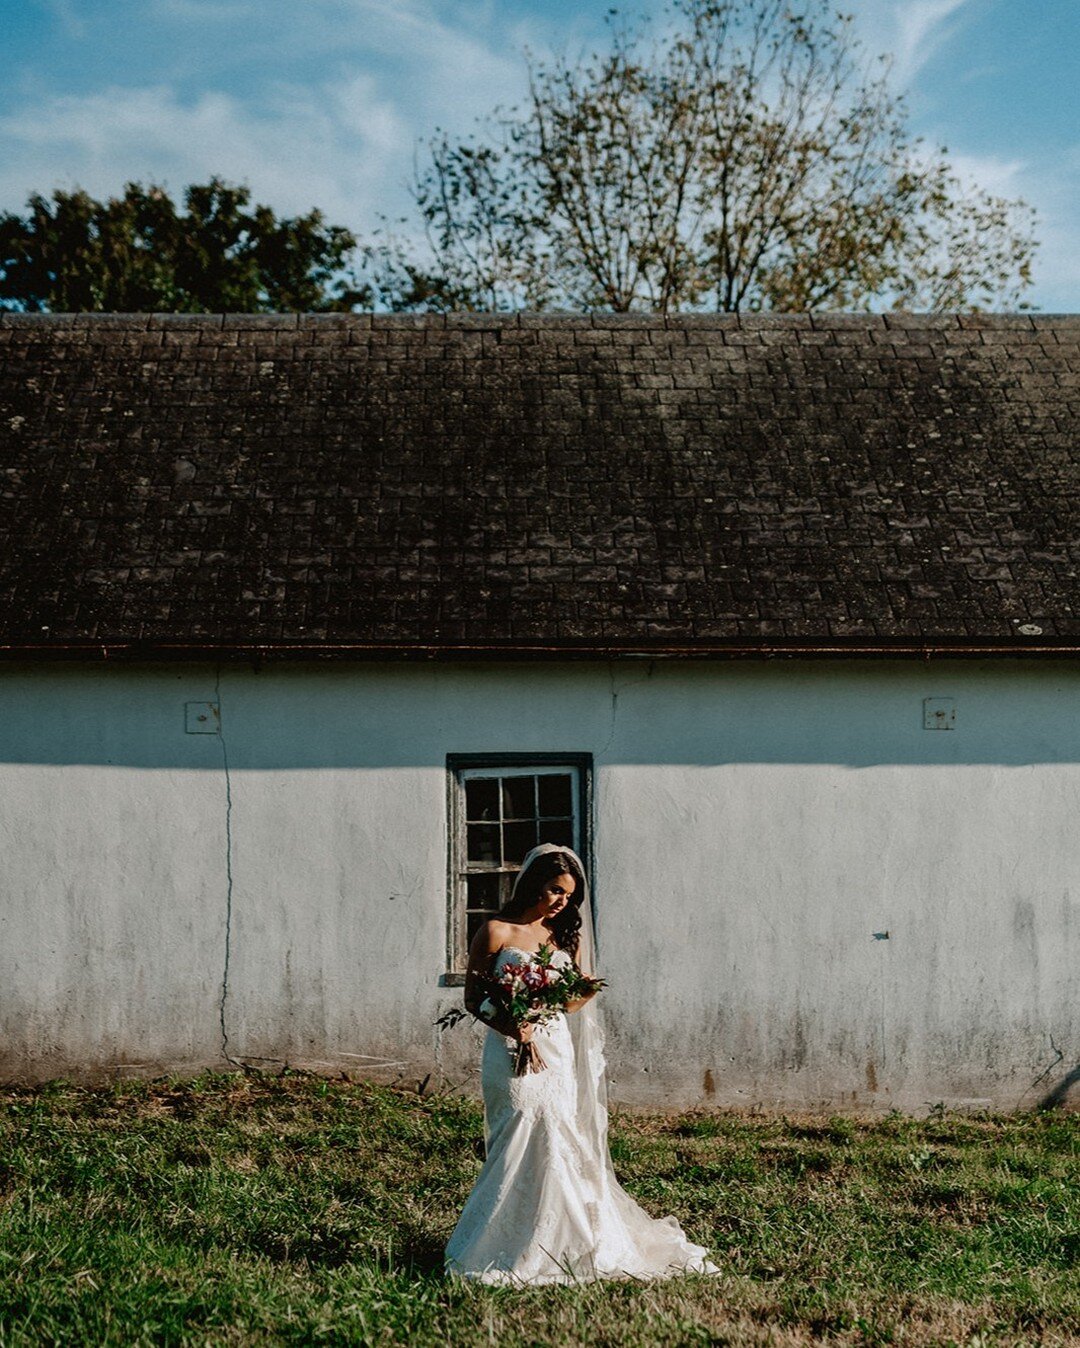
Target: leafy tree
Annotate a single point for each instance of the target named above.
(139, 252)
(746, 158)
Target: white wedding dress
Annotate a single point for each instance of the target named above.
(546, 1207)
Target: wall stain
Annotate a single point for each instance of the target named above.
(799, 1046)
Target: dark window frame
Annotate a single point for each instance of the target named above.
(456, 764)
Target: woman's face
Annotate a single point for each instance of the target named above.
(555, 895)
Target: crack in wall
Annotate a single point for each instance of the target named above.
(614, 693)
(228, 874)
(614, 707)
(888, 919)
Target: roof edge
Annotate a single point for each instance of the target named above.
(120, 651)
(152, 322)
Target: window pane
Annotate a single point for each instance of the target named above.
(517, 840)
(484, 843)
(482, 798)
(483, 892)
(560, 831)
(500, 809)
(519, 798)
(555, 797)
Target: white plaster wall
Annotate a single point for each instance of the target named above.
(755, 825)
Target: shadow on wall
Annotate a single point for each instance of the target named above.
(1058, 1098)
(303, 716)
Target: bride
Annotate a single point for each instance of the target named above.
(546, 1207)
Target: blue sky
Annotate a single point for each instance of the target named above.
(321, 102)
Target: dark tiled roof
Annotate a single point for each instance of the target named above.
(585, 483)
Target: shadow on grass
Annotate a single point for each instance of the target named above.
(417, 1258)
(414, 1255)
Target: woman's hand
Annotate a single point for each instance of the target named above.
(524, 1032)
(579, 1002)
(527, 1055)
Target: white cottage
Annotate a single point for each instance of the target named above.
(312, 626)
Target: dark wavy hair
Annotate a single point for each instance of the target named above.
(566, 924)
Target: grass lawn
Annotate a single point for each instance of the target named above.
(235, 1210)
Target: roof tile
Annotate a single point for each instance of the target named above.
(575, 481)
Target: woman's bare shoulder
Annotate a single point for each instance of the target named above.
(491, 935)
(497, 929)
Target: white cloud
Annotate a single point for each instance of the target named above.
(333, 147)
(65, 14)
(922, 28)
(1055, 188)
(909, 32)
(452, 60)
(1055, 193)
(459, 67)
(319, 104)
(1001, 177)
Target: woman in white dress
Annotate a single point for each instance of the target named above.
(546, 1207)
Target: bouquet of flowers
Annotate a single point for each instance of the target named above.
(531, 993)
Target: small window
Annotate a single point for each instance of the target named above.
(500, 809)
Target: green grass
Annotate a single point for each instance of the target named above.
(236, 1210)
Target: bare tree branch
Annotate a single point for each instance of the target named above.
(748, 158)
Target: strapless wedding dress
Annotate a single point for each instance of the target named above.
(546, 1207)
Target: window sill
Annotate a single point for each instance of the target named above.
(451, 980)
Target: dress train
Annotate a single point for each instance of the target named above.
(546, 1207)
